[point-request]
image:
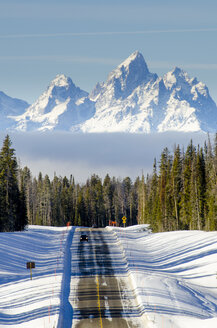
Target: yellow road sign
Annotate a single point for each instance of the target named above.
(124, 219)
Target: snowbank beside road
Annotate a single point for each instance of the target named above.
(174, 275)
(31, 303)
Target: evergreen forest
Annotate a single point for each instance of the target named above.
(180, 194)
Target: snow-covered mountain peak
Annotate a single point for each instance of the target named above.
(176, 71)
(135, 63)
(60, 89)
(61, 80)
(137, 58)
(179, 81)
(60, 104)
(175, 78)
(128, 75)
(131, 100)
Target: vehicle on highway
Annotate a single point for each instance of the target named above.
(84, 238)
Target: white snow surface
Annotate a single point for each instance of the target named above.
(132, 100)
(173, 273)
(31, 303)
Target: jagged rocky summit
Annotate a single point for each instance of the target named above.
(131, 100)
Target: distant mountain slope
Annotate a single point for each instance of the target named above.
(131, 100)
(10, 106)
(60, 107)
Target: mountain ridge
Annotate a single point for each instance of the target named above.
(132, 99)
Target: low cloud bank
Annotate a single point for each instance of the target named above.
(81, 155)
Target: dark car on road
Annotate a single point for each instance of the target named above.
(84, 238)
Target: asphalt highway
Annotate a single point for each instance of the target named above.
(101, 292)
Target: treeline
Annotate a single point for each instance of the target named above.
(181, 193)
(96, 203)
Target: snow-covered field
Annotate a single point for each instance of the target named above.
(25, 302)
(174, 275)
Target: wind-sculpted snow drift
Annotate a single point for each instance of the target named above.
(32, 303)
(131, 100)
(173, 275)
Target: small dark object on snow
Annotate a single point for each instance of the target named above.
(84, 238)
(30, 265)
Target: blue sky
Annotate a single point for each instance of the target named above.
(86, 39)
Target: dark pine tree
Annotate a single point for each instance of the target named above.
(12, 201)
(176, 177)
